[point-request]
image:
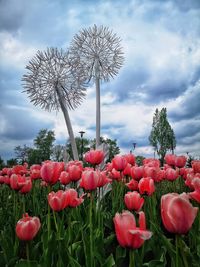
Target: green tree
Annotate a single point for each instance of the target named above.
(2, 164)
(162, 136)
(58, 152)
(44, 144)
(139, 160)
(22, 153)
(83, 145)
(11, 162)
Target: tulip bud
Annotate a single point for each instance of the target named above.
(27, 227)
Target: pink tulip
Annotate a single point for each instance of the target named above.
(132, 185)
(50, 171)
(196, 166)
(64, 178)
(171, 174)
(128, 234)
(94, 157)
(72, 198)
(27, 227)
(74, 172)
(180, 161)
(177, 213)
(90, 179)
(58, 200)
(146, 186)
(133, 201)
(119, 163)
(137, 172)
(170, 159)
(130, 158)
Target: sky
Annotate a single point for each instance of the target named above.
(161, 44)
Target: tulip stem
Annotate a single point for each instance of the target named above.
(54, 217)
(27, 253)
(91, 230)
(131, 258)
(177, 250)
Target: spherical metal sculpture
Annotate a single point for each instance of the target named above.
(52, 83)
(98, 48)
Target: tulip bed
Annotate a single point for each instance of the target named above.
(75, 214)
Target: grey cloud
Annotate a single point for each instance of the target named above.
(18, 125)
(12, 14)
(189, 107)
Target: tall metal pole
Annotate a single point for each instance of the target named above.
(81, 133)
(98, 113)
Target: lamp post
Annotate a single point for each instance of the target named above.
(81, 133)
(134, 146)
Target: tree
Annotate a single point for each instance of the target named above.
(22, 153)
(52, 84)
(44, 143)
(11, 162)
(2, 164)
(58, 152)
(162, 136)
(83, 145)
(99, 51)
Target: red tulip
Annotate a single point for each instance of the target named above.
(127, 170)
(160, 175)
(115, 175)
(171, 174)
(103, 179)
(14, 181)
(27, 186)
(128, 234)
(75, 172)
(133, 201)
(130, 158)
(58, 200)
(180, 161)
(150, 162)
(94, 157)
(27, 227)
(90, 179)
(119, 163)
(170, 159)
(6, 171)
(195, 183)
(132, 185)
(35, 171)
(177, 213)
(19, 169)
(146, 186)
(50, 171)
(72, 198)
(64, 178)
(196, 166)
(137, 172)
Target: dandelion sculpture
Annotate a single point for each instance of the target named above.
(100, 51)
(52, 84)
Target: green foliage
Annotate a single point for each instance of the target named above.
(44, 143)
(83, 145)
(2, 164)
(162, 136)
(11, 162)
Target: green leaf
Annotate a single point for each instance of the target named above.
(26, 263)
(109, 261)
(73, 262)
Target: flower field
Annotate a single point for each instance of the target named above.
(90, 214)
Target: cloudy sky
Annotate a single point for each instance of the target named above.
(161, 45)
